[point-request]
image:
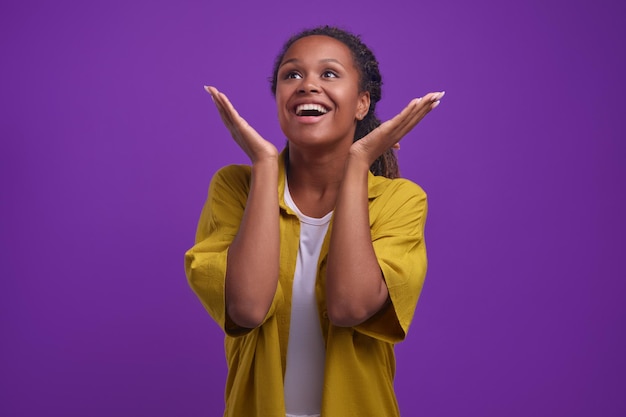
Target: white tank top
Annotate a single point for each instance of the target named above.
(304, 376)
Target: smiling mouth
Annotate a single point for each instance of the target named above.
(311, 110)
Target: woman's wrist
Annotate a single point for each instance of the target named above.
(265, 163)
(358, 160)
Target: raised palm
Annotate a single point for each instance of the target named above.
(389, 133)
(248, 139)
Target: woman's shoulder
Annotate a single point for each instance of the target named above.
(397, 199)
(231, 179)
(402, 188)
(235, 173)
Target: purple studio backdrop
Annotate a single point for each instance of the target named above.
(108, 143)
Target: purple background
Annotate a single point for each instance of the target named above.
(108, 143)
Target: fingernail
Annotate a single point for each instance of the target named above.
(436, 103)
(443, 93)
(206, 88)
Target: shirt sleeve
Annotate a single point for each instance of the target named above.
(205, 262)
(397, 221)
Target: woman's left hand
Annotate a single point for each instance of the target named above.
(389, 133)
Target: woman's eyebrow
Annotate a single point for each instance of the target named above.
(332, 60)
(296, 61)
(289, 61)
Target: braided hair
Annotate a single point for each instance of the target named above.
(370, 80)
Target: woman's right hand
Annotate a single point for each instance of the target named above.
(248, 139)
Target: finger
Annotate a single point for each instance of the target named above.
(230, 117)
(412, 114)
(415, 106)
(388, 134)
(430, 101)
(215, 96)
(397, 127)
(223, 106)
(435, 99)
(236, 120)
(401, 118)
(417, 110)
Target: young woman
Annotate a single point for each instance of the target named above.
(311, 263)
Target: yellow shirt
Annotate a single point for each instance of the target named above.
(360, 360)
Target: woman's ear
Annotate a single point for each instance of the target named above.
(363, 106)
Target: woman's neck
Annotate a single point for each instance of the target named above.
(314, 180)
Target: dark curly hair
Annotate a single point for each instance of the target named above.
(370, 80)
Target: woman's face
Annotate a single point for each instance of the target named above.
(317, 93)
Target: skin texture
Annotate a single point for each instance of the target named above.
(327, 171)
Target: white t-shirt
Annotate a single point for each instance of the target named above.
(304, 376)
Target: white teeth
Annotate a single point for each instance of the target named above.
(316, 107)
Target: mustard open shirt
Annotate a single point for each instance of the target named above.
(360, 360)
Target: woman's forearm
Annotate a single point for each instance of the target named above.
(355, 286)
(253, 257)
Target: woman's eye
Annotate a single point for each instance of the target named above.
(292, 75)
(329, 74)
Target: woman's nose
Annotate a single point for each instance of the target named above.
(307, 86)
